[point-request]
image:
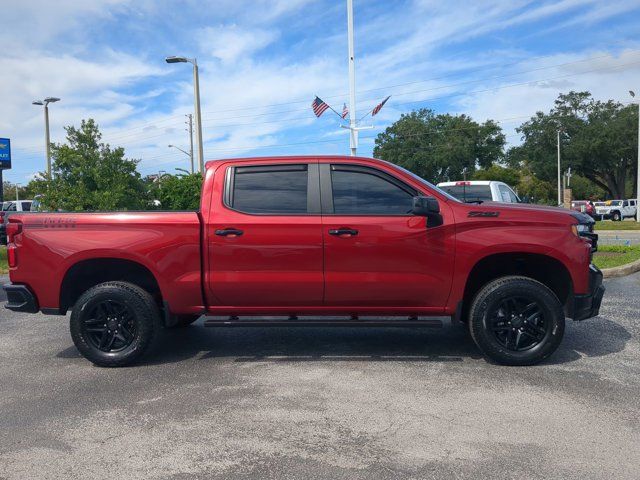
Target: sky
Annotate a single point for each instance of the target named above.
(263, 61)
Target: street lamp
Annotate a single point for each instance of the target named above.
(190, 155)
(633, 94)
(47, 140)
(196, 94)
(559, 174)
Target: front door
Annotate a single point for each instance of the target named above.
(377, 254)
(264, 238)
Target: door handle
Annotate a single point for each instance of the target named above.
(229, 231)
(343, 231)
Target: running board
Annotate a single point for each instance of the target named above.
(428, 323)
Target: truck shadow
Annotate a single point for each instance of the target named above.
(593, 338)
(300, 344)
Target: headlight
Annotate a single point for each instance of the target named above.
(580, 229)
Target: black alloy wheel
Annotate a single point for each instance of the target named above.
(110, 326)
(518, 323)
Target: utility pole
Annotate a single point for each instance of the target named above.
(559, 174)
(189, 123)
(17, 187)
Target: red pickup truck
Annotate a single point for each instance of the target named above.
(334, 238)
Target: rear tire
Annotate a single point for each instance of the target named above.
(114, 323)
(516, 321)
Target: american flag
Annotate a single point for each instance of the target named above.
(345, 111)
(319, 107)
(378, 107)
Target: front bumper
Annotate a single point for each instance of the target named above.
(587, 306)
(20, 298)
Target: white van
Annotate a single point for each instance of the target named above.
(480, 191)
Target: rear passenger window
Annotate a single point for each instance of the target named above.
(278, 190)
(26, 206)
(362, 192)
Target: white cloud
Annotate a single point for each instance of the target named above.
(231, 43)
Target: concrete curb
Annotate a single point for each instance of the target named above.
(622, 270)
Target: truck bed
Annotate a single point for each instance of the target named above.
(166, 243)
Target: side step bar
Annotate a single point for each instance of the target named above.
(235, 322)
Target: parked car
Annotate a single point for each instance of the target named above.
(309, 236)
(617, 210)
(584, 206)
(476, 191)
(7, 208)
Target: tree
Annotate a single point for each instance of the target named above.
(440, 147)
(496, 172)
(598, 141)
(90, 175)
(9, 191)
(177, 192)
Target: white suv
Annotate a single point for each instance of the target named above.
(617, 210)
(480, 191)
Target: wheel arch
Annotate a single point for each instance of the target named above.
(546, 269)
(88, 273)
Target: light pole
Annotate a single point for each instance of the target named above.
(17, 187)
(352, 82)
(190, 155)
(196, 94)
(633, 94)
(47, 140)
(559, 174)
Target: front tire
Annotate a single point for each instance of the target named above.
(114, 323)
(617, 217)
(516, 321)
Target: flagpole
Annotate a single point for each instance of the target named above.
(353, 138)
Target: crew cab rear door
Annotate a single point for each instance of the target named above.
(377, 254)
(264, 235)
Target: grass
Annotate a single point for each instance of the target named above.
(611, 225)
(4, 267)
(609, 256)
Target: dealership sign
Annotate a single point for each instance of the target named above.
(5, 153)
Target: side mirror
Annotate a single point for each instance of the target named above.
(427, 207)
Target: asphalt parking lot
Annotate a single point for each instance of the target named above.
(323, 403)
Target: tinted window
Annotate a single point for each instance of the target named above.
(276, 190)
(26, 206)
(361, 193)
(470, 193)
